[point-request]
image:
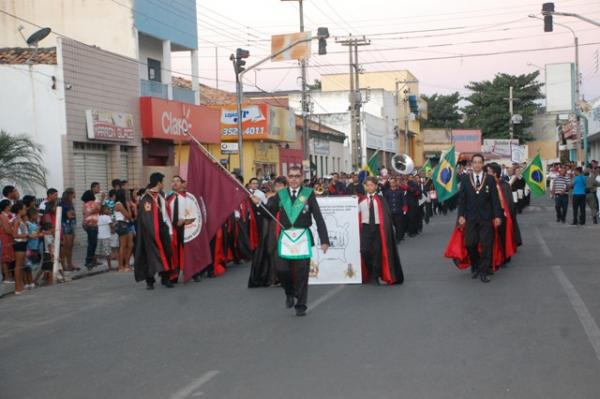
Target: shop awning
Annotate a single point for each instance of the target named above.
(169, 120)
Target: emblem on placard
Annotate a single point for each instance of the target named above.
(147, 207)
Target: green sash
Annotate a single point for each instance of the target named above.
(293, 210)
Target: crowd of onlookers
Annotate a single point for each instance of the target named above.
(581, 186)
(28, 229)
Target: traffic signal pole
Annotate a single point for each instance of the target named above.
(322, 36)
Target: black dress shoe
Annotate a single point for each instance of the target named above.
(484, 278)
(300, 312)
(474, 274)
(289, 302)
(197, 278)
(168, 284)
(149, 286)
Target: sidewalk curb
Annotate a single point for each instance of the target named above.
(73, 278)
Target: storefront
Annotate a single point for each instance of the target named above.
(165, 126)
(267, 130)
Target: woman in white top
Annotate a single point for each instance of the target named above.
(123, 230)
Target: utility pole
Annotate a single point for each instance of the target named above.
(510, 110)
(305, 104)
(355, 97)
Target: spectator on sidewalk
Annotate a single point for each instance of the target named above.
(591, 186)
(20, 237)
(11, 194)
(51, 196)
(560, 190)
(68, 223)
(91, 212)
(122, 218)
(6, 239)
(579, 184)
(105, 231)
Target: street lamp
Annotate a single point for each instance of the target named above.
(548, 27)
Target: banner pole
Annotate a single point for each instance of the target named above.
(57, 227)
(212, 157)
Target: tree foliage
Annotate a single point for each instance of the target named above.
(443, 111)
(488, 109)
(21, 161)
(315, 86)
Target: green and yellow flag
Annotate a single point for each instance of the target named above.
(372, 165)
(444, 176)
(534, 177)
(427, 167)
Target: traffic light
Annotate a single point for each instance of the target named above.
(547, 10)
(323, 35)
(240, 56)
(413, 105)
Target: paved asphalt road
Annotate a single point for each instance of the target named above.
(531, 333)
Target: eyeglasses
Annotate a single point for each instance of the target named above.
(295, 176)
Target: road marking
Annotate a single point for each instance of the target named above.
(542, 242)
(585, 317)
(186, 391)
(326, 297)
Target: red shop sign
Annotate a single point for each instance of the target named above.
(165, 119)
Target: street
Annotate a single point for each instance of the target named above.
(531, 333)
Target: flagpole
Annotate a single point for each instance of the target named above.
(212, 157)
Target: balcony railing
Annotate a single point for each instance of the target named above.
(150, 88)
(184, 95)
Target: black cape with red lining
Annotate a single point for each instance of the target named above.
(391, 268)
(153, 242)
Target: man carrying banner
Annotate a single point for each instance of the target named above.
(294, 208)
(153, 246)
(478, 208)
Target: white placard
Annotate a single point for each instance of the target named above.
(341, 263)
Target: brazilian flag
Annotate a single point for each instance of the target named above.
(372, 164)
(427, 167)
(444, 176)
(534, 177)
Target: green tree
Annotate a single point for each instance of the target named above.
(315, 86)
(443, 111)
(488, 108)
(21, 161)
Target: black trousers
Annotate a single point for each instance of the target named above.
(293, 276)
(579, 208)
(480, 233)
(370, 249)
(399, 222)
(561, 204)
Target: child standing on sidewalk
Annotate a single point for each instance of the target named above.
(105, 231)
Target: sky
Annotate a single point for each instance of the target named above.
(440, 42)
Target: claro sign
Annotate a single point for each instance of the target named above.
(170, 120)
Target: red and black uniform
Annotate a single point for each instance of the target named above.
(378, 248)
(153, 247)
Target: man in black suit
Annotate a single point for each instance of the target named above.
(479, 211)
(296, 206)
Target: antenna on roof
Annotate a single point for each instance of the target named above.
(34, 39)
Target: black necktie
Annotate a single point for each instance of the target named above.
(293, 195)
(477, 182)
(371, 211)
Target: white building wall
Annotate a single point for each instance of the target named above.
(101, 23)
(29, 105)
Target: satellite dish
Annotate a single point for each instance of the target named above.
(38, 36)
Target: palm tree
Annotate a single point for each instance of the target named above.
(21, 161)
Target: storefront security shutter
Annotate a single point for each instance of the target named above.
(124, 170)
(91, 165)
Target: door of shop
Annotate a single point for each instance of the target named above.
(90, 162)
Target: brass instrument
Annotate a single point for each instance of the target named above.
(403, 164)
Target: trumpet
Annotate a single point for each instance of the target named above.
(403, 164)
(319, 190)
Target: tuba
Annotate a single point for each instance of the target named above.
(403, 164)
